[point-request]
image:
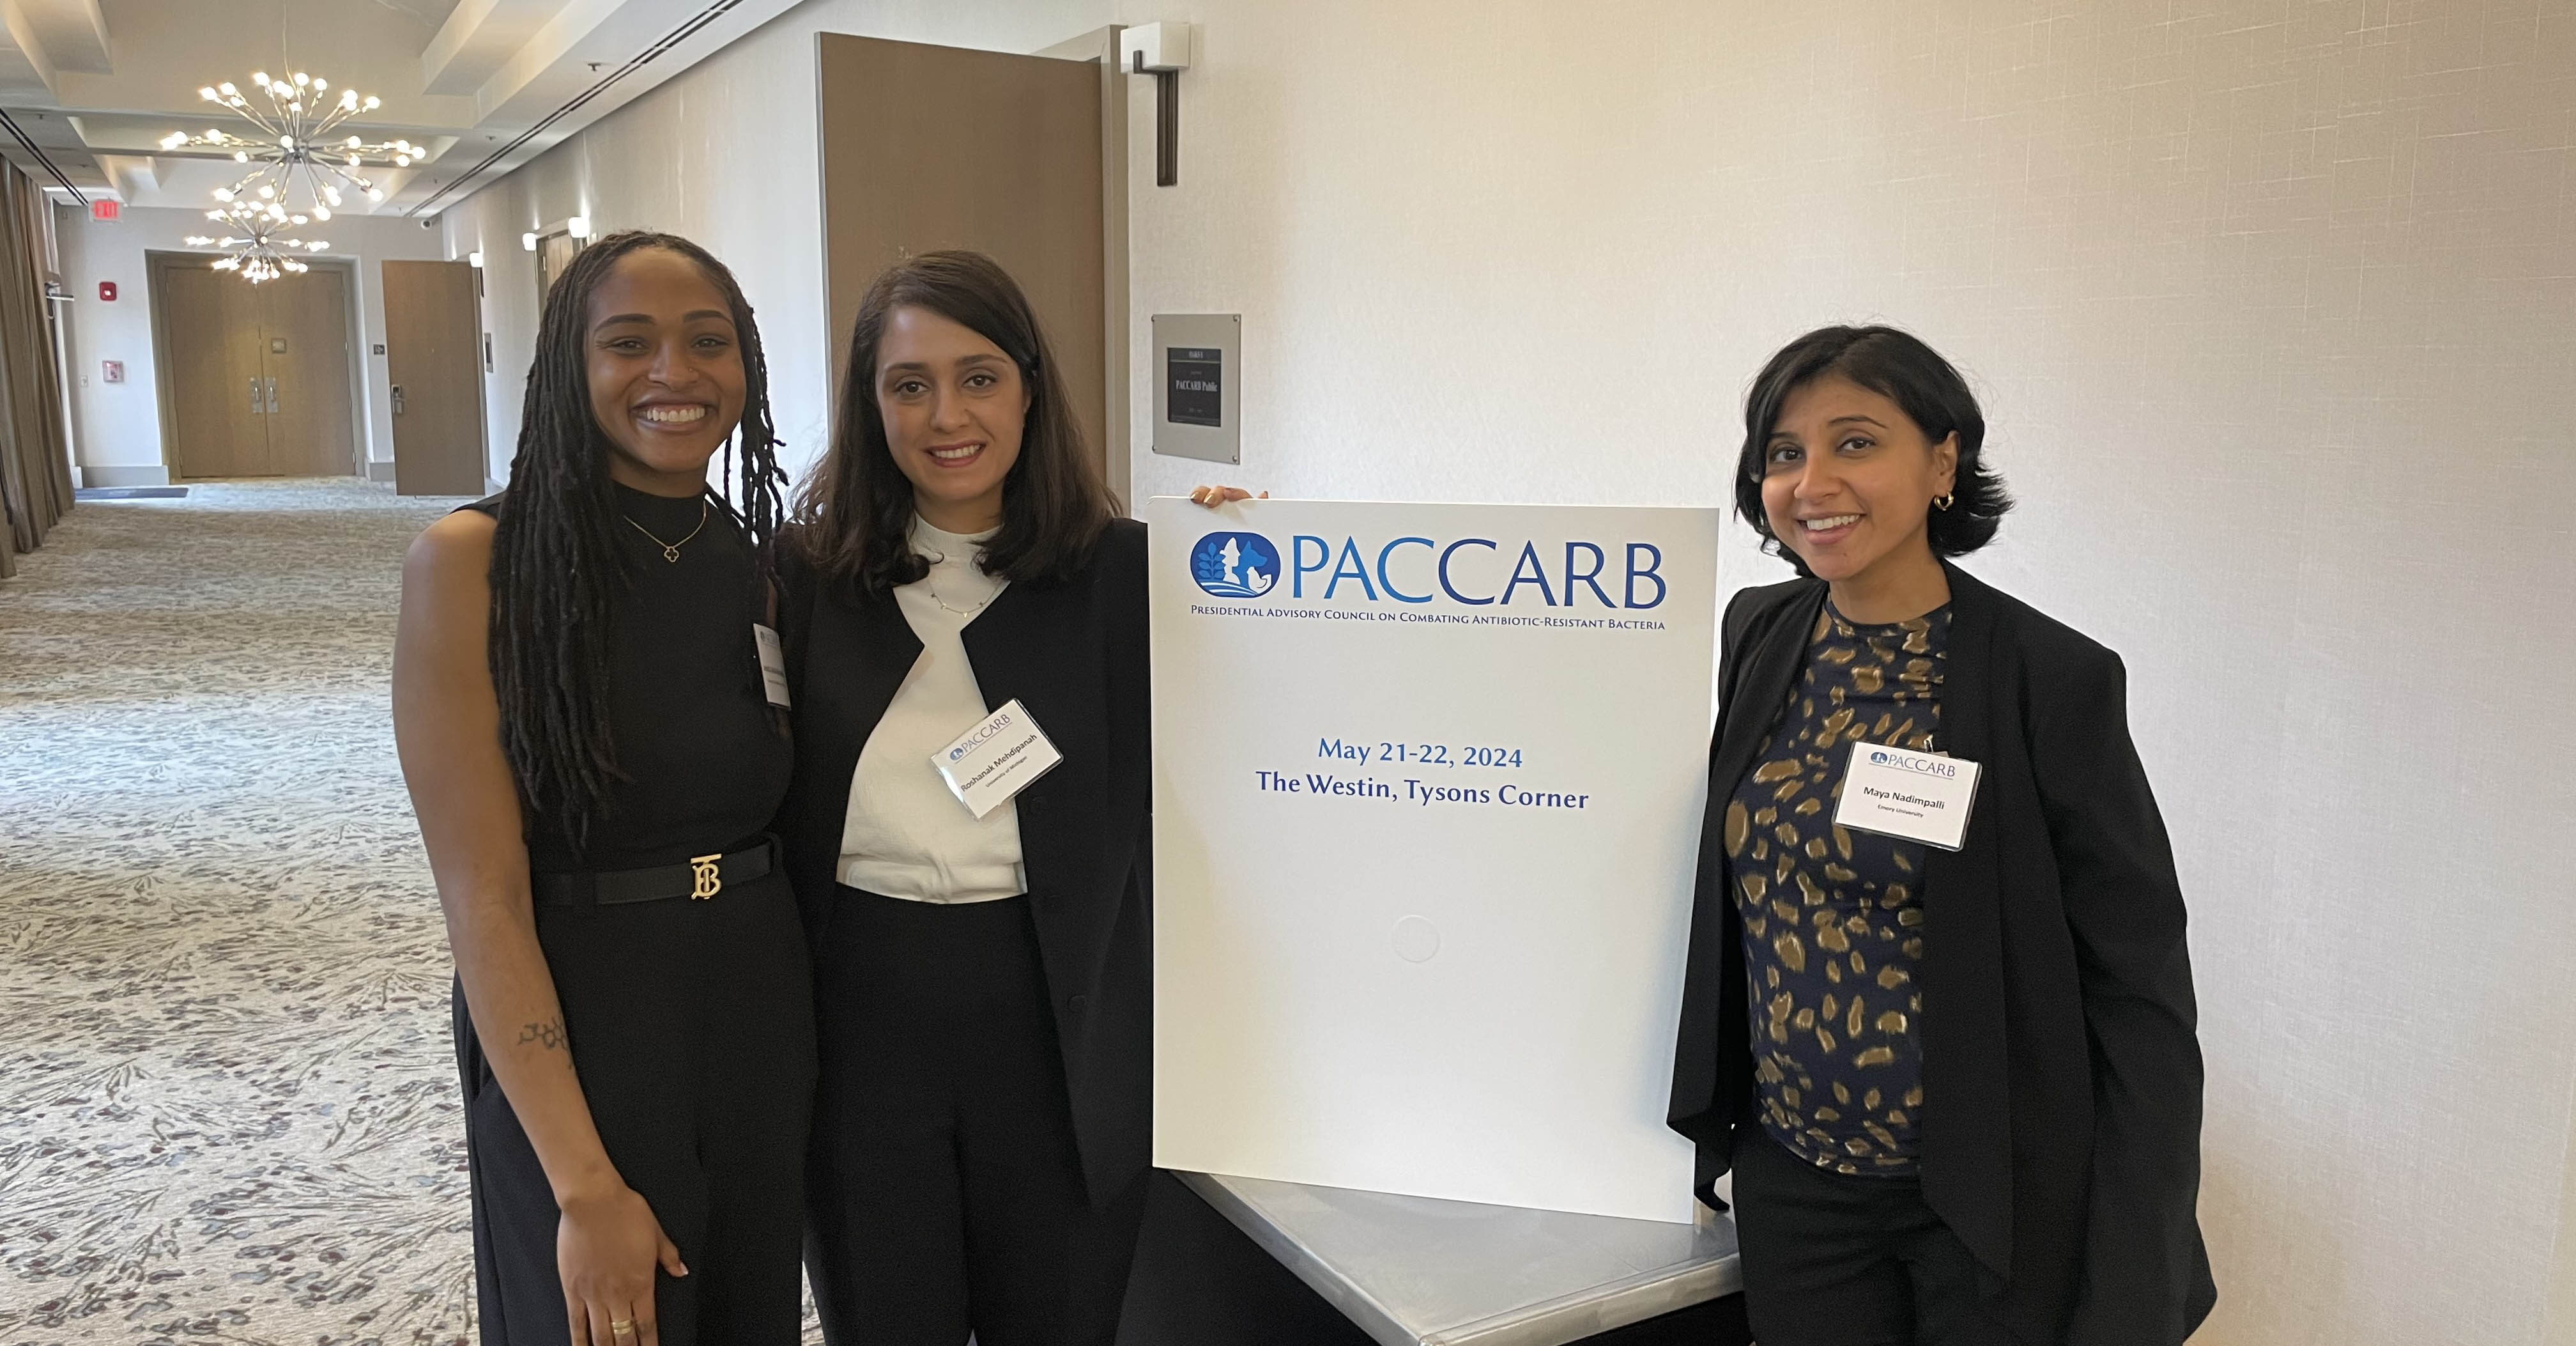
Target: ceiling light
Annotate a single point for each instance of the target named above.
(284, 163)
(258, 253)
(578, 226)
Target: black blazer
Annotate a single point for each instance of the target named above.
(1074, 652)
(2062, 1079)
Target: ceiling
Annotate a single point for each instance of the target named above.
(485, 85)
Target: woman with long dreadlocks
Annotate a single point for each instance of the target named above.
(593, 752)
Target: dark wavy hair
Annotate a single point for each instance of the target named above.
(1899, 367)
(854, 512)
(556, 563)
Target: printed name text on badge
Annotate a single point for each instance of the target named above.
(996, 759)
(773, 665)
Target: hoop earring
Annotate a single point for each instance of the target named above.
(1944, 500)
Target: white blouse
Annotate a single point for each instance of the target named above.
(906, 835)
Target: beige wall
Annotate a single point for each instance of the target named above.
(2273, 306)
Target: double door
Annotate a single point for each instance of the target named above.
(259, 374)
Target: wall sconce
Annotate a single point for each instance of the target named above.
(578, 226)
(528, 242)
(1162, 50)
(475, 260)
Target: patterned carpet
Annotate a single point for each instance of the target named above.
(227, 1107)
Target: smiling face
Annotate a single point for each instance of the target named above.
(1848, 480)
(954, 407)
(665, 368)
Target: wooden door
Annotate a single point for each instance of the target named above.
(218, 406)
(554, 253)
(432, 357)
(304, 338)
(936, 147)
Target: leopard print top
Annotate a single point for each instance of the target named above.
(1832, 917)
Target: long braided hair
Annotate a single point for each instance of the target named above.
(557, 567)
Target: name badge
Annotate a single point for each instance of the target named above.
(1898, 792)
(996, 759)
(773, 665)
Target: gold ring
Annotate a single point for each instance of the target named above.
(621, 1327)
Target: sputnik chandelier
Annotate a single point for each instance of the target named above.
(258, 253)
(293, 151)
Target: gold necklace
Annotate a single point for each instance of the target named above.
(671, 550)
(930, 581)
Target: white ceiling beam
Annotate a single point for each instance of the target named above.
(582, 44)
(20, 84)
(477, 38)
(555, 63)
(29, 42)
(74, 33)
(553, 44)
(132, 177)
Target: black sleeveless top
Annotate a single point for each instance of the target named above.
(703, 760)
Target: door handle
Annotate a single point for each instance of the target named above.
(272, 397)
(397, 399)
(255, 407)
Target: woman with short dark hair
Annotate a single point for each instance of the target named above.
(981, 978)
(1954, 1073)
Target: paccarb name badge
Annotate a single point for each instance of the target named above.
(996, 759)
(1898, 792)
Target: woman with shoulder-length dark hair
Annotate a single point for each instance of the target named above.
(1954, 1074)
(580, 706)
(981, 975)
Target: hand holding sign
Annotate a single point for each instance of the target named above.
(1213, 496)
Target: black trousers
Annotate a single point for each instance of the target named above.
(1837, 1260)
(692, 1027)
(946, 1191)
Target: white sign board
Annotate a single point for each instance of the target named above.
(1427, 794)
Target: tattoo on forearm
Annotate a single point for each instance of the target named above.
(549, 1034)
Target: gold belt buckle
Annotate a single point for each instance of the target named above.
(702, 869)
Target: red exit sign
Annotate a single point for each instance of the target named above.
(104, 211)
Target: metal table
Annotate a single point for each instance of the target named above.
(1412, 1271)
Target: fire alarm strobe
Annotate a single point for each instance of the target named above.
(107, 291)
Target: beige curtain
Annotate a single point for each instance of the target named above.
(35, 466)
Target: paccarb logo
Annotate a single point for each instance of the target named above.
(1235, 565)
(1919, 766)
(982, 736)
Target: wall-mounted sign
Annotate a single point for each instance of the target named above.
(1198, 386)
(105, 212)
(111, 371)
(1195, 391)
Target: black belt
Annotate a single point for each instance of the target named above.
(701, 877)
